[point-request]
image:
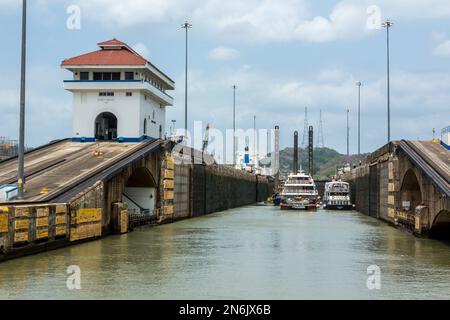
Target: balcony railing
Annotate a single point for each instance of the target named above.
(118, 81)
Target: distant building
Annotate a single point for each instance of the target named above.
(117, 95)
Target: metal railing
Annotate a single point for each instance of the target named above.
(136, 218)
(110, 81)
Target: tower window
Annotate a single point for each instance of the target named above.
(106, 76)
(129, 76)
(84, 75)
(129, 94)
(98, 76)
(106, 94)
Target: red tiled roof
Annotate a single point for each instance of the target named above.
(123, 56)
(113, 42)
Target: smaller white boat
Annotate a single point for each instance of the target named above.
(337, 196)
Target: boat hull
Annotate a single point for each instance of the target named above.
(338, 207)
(309, 207)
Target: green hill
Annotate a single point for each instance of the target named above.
(325, 161)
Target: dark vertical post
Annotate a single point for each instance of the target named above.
(276, 158)
(21, 177)
(295, 164)
(311, 150)
(348, 132)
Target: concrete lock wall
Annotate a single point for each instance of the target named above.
(200, 190)
(373, 184)
(372, 191)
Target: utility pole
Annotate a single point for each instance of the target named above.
(21, 175)
(186, 26)
(388, 24)
(359, 84)
(234, 125)
(348, 132)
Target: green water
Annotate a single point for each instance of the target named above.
(255, 252)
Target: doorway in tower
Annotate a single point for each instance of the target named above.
(106, 127)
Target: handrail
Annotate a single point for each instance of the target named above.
(135, 203)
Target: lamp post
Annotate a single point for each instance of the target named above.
(234, 124)
(21, 158)
(388, 24)
(186, 26)
(359, 84)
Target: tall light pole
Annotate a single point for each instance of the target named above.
(234, 124)
(388, 24)
(359, 84)
(186, 26)
(21, 176)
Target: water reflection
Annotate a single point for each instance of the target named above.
(254, 252)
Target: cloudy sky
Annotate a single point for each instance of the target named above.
(282, 54)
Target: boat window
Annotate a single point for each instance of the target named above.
(299, 181)
(299, 189)
(339, 188)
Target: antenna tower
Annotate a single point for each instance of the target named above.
(320, 143)
(305, 130)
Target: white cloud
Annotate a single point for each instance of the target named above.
(126, 14)
(443, 49)
(141, 49)
(346, 21)
(223, 54)
(260, 20)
